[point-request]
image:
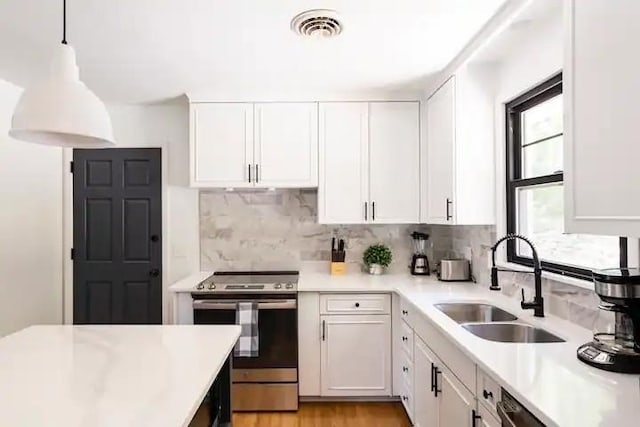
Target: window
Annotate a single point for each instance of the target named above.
(535, 190)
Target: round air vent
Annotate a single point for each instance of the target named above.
(317, 23)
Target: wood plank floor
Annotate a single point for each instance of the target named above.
(328, 415)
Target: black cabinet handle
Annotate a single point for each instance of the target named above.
(435, 381)
(433, 375)
(154, 272)
(324, 325)
(366, 204)
(405, 312)
(357, 304)
(449, 202)
(474, 417)
(373, 211)
(249, 167)
(405, 369)
(487, 394)
(257, 173)
(155, 237)
(404, 338)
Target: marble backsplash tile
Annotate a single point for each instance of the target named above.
(279, 230)
(578, 305)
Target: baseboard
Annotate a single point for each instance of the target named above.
(349, 398)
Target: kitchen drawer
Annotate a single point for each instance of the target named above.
(406, 397)
(406, 340)
(406, 370)
(355, 304)
(406, 311)
(488, 391)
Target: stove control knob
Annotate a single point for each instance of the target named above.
(289, 286)
(277, 286)
(200, 286)
(212, 285)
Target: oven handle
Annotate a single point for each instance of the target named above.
(201, 304)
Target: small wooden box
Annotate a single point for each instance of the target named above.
(338, 268)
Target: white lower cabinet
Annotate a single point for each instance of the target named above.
(456, 406)
(487, 418)
(356, 355)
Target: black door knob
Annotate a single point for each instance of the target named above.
(357, 304)
(154, 272)
(155, 237)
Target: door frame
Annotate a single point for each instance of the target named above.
(67, 231)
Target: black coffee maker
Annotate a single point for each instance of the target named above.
(419, 261)
(618, 349)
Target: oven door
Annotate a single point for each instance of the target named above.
(277, 327)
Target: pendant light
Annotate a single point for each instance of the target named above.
(60, 110)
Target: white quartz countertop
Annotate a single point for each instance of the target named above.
(155, 375)
(547, 378)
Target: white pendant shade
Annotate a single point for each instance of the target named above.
(60, 110)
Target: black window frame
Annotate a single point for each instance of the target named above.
(514, 109)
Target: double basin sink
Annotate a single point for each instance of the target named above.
(494, 324)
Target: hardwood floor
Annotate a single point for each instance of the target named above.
(328, 415)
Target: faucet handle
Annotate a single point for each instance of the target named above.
(522, 289)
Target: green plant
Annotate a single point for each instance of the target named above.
(377, 254)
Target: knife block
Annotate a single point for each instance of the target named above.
(338, 268)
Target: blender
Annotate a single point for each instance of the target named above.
(419, 261)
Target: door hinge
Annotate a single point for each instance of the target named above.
(73, 253)
(71, 167)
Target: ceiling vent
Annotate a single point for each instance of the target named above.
(322, 23)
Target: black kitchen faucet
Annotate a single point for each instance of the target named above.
(537, 305)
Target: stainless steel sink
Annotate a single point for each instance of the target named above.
(511, 332)
(473, 313)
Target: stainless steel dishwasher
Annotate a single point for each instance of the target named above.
(513, 414)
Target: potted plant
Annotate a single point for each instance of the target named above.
(377, 258)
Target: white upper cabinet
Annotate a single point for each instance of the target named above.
(394, 162)
(601, 70)
(458, 151)
(254, 145)
(221, 144)
(286, 144)
(369, 161)
(344, 175)
(439, 155)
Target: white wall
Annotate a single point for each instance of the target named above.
(163, 126)
(30, 227)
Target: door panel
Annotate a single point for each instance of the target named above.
(440, 153)
(221, 145)
(355, 355)
(286, 147)
(344, 179)
(394, 163)
(117, 229)
(425, 401)
(456, 402)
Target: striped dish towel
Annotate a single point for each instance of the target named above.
(247, 318)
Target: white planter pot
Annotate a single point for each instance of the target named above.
(376, 269)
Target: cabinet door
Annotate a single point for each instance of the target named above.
(425, 402)
(286, 148)
(356, 355)
(344, 180)
(440, 154)
(221, 141)
(601, 149)
(309, 335)
(456, 403)
(394, 162)
(487, 418)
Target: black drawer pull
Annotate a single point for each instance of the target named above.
(357, 304)
(487, 394)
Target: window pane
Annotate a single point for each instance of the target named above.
(542, 121)
(542, 158)
(540, 218)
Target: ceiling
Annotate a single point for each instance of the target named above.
(151, 50)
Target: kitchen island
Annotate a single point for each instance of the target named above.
(112, 375)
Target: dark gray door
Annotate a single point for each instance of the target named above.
(117, 236)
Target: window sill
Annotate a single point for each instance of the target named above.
(571, 281)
